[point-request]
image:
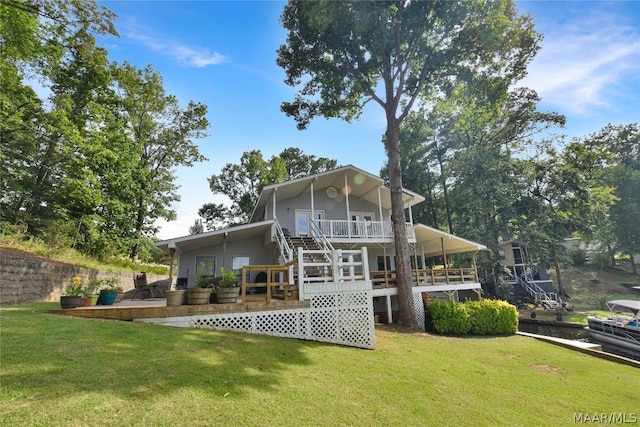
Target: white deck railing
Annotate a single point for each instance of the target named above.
(337, 229)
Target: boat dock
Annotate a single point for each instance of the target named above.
(584, 347)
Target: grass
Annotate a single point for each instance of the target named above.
(58, 370)
(590, 287)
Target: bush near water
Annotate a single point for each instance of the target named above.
(488, 317)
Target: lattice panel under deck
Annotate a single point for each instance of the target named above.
(344, 318)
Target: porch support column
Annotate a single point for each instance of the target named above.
(224, 250)
(273, 202)
(444, 259)
(415, 259)
(424, 264)
(380, 212)
(389, 311)
(172, 251)
(475, 267)
(312, 203)
(346, 198)
(386, 267)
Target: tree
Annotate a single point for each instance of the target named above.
(46, 151)
(161, 134)
(345, 54)
(243, 182)
(618, 148)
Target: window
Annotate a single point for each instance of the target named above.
(381, 260)
(205, 266)
(239, 261)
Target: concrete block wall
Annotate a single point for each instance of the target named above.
(24, 280)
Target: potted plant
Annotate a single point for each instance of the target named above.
(93, 291)
(228, 289)
(175, 297)
(110, 288)
(202, 293)
(74, 295)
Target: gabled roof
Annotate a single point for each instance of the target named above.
(432, 240)
(358, 183)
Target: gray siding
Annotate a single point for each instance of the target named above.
(253, 247)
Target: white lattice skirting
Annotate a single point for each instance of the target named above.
(340, 313)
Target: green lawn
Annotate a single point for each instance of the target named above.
(58, 370)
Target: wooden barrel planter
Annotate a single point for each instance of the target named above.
(227, 295)
(197, 296)
(71, 301)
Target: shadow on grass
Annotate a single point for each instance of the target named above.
(46, 354)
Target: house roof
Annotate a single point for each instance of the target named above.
(216, 237)
(358, 183)
(432, 240)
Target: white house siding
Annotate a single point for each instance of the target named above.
(253, 247)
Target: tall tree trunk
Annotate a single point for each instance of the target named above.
(634, 266)
(443, 182)
(140, 216)
(407, 316)
(556, 266)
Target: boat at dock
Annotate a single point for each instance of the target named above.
(619, 329)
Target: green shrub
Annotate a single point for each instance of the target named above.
(600, 260)
(449, 318)
(578, 256)
(488, 317)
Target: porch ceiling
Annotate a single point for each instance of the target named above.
(358, 183)
(432, 239)
(216, 237)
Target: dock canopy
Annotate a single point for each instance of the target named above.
(624, 304)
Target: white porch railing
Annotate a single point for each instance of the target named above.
(345, 266)
(337, 229)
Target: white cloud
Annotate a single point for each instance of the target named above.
(585, 62)
(185, 55)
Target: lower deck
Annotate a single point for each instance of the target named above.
(157, 308)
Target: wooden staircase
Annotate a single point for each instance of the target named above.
(308, 243)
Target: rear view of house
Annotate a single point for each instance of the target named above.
(328, 228)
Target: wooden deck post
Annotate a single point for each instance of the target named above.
(444, 260)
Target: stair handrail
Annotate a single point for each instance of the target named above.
(321, 240)
(527, 281)
(285, 250)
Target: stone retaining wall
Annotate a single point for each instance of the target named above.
(24, 280)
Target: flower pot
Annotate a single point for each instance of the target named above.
(176, 297)
(86, 301)
(70, 301)
(108, 297)
(119, 296)
(227, 295)
(93, 298)
(198, 296)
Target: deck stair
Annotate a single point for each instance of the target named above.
(549, 300)
(312, 253)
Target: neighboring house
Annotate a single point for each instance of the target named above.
(527, 279)
(331, 227)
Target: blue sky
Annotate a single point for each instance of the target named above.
(222, 53)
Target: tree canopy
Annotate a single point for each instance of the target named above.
(90, 163)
